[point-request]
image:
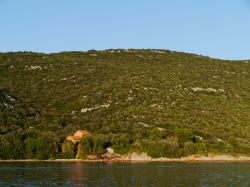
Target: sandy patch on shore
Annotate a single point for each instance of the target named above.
(145, 157)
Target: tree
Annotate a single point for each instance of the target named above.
(44, 147)
(100, 143)
(11, 147)
(85, 146)
(68, 150)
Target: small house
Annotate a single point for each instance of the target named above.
(77, 136)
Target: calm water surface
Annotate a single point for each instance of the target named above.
(124, 174)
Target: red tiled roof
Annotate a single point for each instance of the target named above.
(74, 138)
(81, 133)
(77, 136)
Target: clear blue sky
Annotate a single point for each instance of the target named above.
(216, 28)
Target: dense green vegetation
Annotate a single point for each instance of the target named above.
(156, 101)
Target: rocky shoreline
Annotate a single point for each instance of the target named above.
(143, 157)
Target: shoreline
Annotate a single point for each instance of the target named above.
(138, 159)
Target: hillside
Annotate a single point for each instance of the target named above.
(123, 92)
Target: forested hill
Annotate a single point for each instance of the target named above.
(123, 92)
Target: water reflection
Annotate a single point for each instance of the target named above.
(124, 174)
(77, 174)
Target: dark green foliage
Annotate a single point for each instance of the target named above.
(100, 143)
(11, 147)
(85, 147)
(44, 147)
(93, 145)
(69, 150)
(121, 143)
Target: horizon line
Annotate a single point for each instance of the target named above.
(124, 49)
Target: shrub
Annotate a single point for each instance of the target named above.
(233, 141)
(164, 149)
(155, 134)
(191, 148)
(121, 143)
(183, 135)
